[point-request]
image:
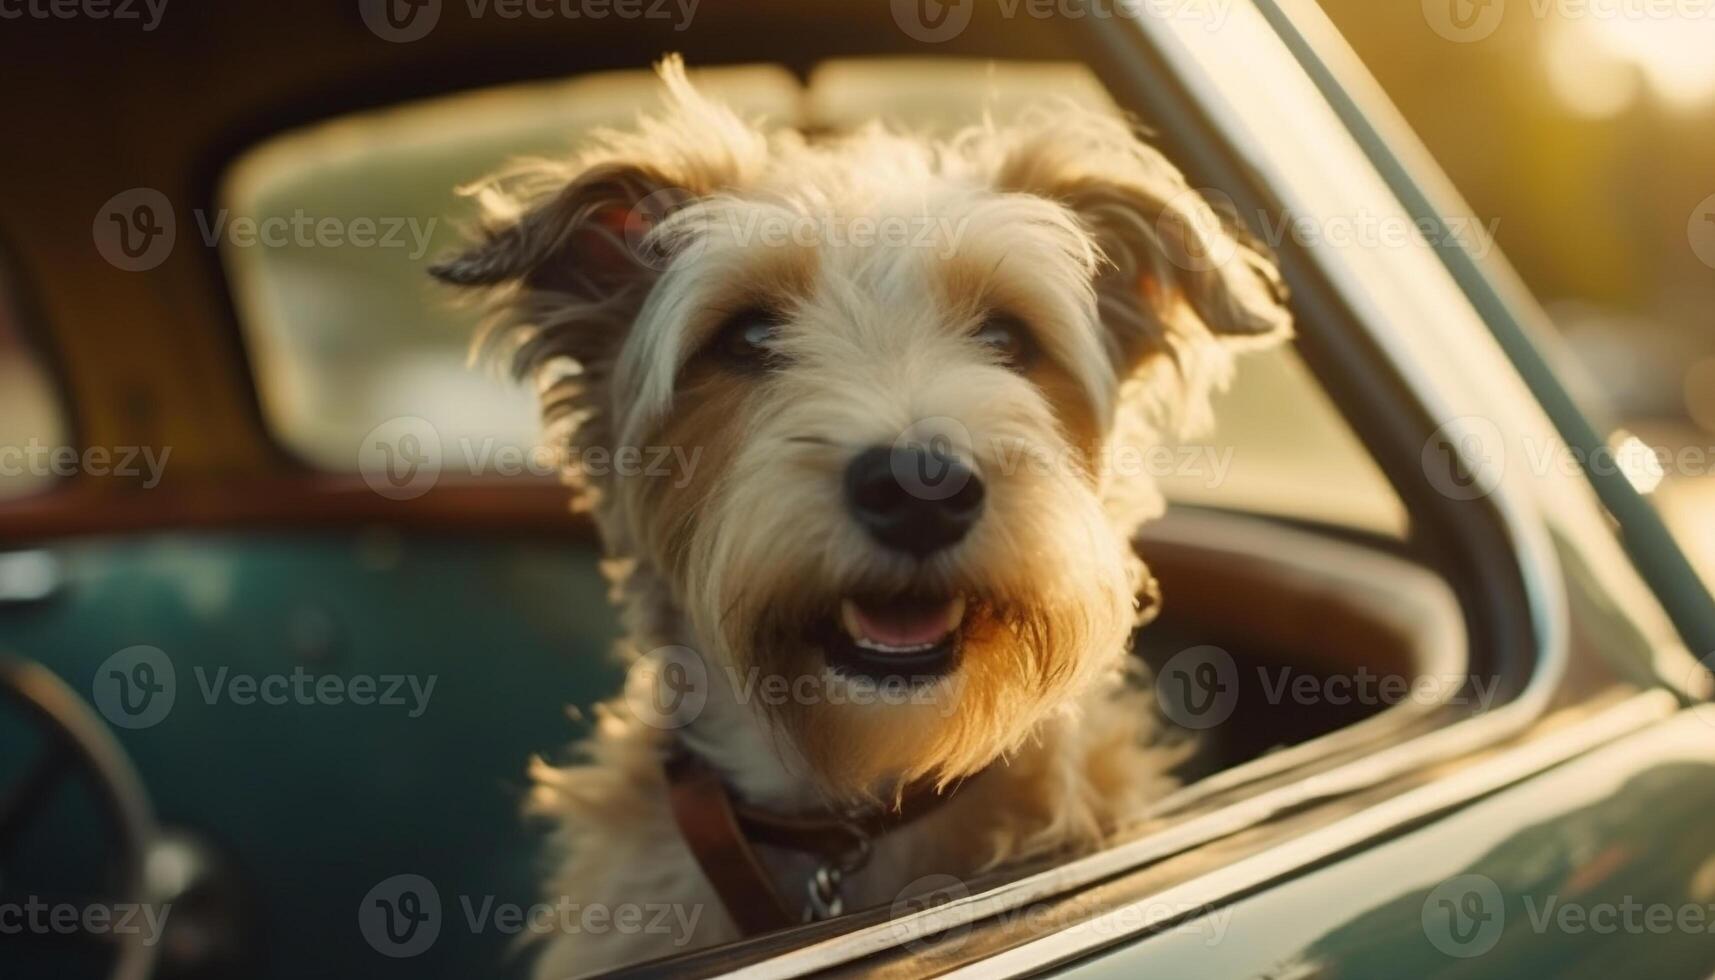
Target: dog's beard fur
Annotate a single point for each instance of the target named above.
(610, 276)
(1046, 580)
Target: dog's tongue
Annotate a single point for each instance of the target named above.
(901, 624)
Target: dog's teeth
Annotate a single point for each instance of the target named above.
(867, 628)
(849, 619)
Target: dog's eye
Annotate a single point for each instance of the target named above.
(749, 338)
(1008, 339)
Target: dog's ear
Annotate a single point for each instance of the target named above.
(584, 231)
(585, 240)
(1179, 284)
(1176, 272)
(566, 272)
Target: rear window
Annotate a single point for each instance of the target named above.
(330, 230)
(34, 438)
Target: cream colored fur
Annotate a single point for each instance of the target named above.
(608, 274)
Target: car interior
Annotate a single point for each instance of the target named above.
(274, 821)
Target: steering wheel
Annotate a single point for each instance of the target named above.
(75, 743)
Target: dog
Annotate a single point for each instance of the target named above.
(898, 584)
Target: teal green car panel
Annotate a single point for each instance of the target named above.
(319, 801)
(1604, 866)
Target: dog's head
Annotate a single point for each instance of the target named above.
(886, 375)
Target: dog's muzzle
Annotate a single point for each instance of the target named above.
(914, 499)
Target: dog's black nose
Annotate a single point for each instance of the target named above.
(913, 499)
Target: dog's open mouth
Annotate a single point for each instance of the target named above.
(899, 637)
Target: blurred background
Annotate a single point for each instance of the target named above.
(1582, 132)
(1585, 131)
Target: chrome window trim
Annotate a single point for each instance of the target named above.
(1483, 778)
(1527, 539)
(1207, 891)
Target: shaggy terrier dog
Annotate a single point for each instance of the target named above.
(895, 594)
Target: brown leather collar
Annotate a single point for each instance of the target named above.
(721, 833)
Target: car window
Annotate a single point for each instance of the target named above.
(34, 441)
(329, 230)
(1627, 287)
